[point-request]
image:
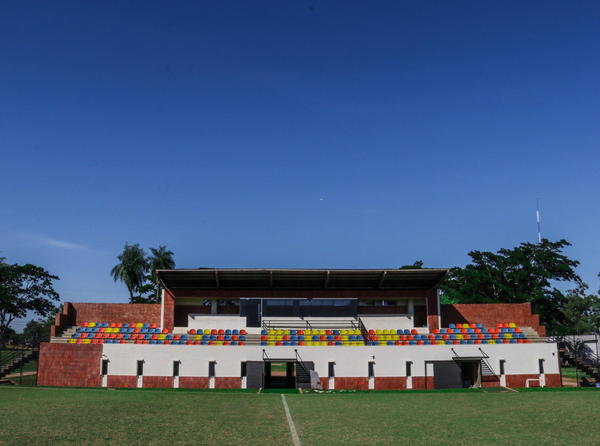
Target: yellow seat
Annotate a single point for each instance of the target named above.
(378, 332)
(308, 344)
(278, 332)
(72, 341)
(465, 326)
(460, 337)
(271, 332)
(139, 325)
(395, 337)
(92, 324)
(508, 335)
(345, 344)
(512, 325)
(343, 332)
(162, 337)
(86, 341)
(219, 343)
(198, 338)
(386, 332)
(206, 332)
(279, 337)
(271, 344)
(441, 343)
(286, 332)
(353, 343)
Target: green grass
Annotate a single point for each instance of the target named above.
(31, 415)
(571, 372)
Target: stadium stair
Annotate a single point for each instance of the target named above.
(18, 358)
(568, 352)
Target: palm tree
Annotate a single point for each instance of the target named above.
(132, 268)
(160, 259)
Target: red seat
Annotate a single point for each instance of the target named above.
(235, 338)
(164, 331)
(299, 332)
(400, 343)
(137, 341)
(213, 332)
(243, 332)
(136, 330)
(167, 342)
(414, 332)
(192, 331)
(211, 342)
(112, 325)
(177, 337)
(328, 332)
(101, 341)
(241, 343)
(418, 343)
(477, 341)
(472, 325)
(220, 338)
(152, 325)
(449, 330)
(371, 332)
(94, 341)
(322, 338)
(85, 324)
(299, 343)
(188, 343)
(155, 336)
(435, 331)
(119, 336)
(445, 337)
(119, 325)
(226, 343)
(122, 341)
(221, 332)
(405, 343)
(196, 342)
(262, 338)
(455, 342)
(330, 343)
(278, 343)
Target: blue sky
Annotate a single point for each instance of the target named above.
(295, 134)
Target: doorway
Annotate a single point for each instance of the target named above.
(280, 374)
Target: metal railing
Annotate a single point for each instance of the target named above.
(16, 358)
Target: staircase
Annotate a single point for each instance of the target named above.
(16, 359)
(302, 376)
(64, 337)
(576, 352)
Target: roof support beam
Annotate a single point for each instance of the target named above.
(382, 279)
(327, 279)
(217, 278)
(271, 279)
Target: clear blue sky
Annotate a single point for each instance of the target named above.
(295, 134)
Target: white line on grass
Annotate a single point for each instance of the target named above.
(291, 422)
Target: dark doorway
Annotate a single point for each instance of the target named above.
(456, 374)
(255, 374)
(280, 375)
(471, 373)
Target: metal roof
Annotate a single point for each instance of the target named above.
(384, 279)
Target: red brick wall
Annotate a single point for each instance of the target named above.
(193, 382)
(433, 320)
(227, 382)
(352, 383)
(181, 313)
(390, 383)
(70, 365)
(324, 383)
(418, 382)
(490, 314)
(157, 381)
(121, 381)
(552, 380)
(80, 312)
(169, 300)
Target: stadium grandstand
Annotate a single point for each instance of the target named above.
(299, 328)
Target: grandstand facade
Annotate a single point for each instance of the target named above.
(330, 329)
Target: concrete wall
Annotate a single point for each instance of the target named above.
(351, 363)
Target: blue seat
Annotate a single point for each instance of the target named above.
(148, 337)
(264, 332)
(228, 332)
(488, 336)
(237, 332)
(442, 331)
(125, 325)
(513, 341)
(233, 343)
(204, 343)
(470, 330)
(104, 324)
(448, 342)
(286, 343)
(352, 338)
(213, 337)
(263, 343)
(242, 338)
(478, 326)
(206, 337)
(359, 338)
(293, 338)
(301, 337)
(484, 341)
(438, 337)
(315, 338)
(409, 343)
(427, 342)
(463, 342)
(470, 342)
(144, 331)
(338, 343)
(336, 332)
(184, 337)
(153, 341)
(451, 326)
(80, 329)
(399, 332)
(122, 330)
(329, 338)
(77, 335)
(126, 336)
(227, 338)
(484, 330)
(375, 342)
(406, 331)
(130, 330)
(88, 329)
(453, 337)
(146, 326)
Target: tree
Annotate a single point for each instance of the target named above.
(40, 329)
(518, 275)
(24, 288)
(581, 312)
(160, 259)
(131, 269)
(417, 265)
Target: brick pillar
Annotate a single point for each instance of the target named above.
(432, 310)
(169, 300)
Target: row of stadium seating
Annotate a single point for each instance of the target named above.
(215, 331)
(153, 342)
(390, 343)
(160, 337)
(315, 332)
(498, 325)
(117, 325)
(440, 337)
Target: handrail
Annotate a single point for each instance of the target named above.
(365, 334)
(300, 361)
(23, 354)
(579, 348)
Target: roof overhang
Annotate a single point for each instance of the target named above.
(341, 279)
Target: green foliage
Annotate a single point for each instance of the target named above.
(518, 275)
(131, 269)
(581, 312)
(134, 267)
(24, 288)
(417, 265)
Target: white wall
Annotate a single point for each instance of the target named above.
(350, 361)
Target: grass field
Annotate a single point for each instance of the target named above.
(32, 415)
